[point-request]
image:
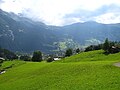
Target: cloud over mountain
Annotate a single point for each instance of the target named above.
(1, 1)
(105, 14)
(62, 12)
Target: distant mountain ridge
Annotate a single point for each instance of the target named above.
(24, 35)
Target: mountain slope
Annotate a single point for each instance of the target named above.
(91, 32)
(24, 35)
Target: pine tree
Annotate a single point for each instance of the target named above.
(106, 45)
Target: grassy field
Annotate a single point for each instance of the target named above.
(85, 71)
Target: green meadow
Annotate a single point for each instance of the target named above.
(85, 71)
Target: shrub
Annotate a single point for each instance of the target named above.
(77, 50)
(50, 59)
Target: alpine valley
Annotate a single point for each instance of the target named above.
(20, 34)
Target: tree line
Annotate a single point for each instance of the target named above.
(107, 46)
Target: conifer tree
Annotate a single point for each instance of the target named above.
(106, 45)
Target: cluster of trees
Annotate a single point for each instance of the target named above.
(6, 54)
(107, 46)
(37, 57)
(25, 58)
(70, 52)
(111, 47)
(93, 47)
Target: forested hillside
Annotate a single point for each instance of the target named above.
(21, 34)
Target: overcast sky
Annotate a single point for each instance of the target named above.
(63, 12)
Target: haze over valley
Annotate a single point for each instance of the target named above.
(21, 34)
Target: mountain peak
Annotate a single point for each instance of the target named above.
(91, 22)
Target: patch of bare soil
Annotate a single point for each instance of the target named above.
(117, 64)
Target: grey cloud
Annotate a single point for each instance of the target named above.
(88, 15)
(1, 1)
(30, 14)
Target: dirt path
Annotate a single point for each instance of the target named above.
(117, 64)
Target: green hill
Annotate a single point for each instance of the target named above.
(92, 56)
(85, 71)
